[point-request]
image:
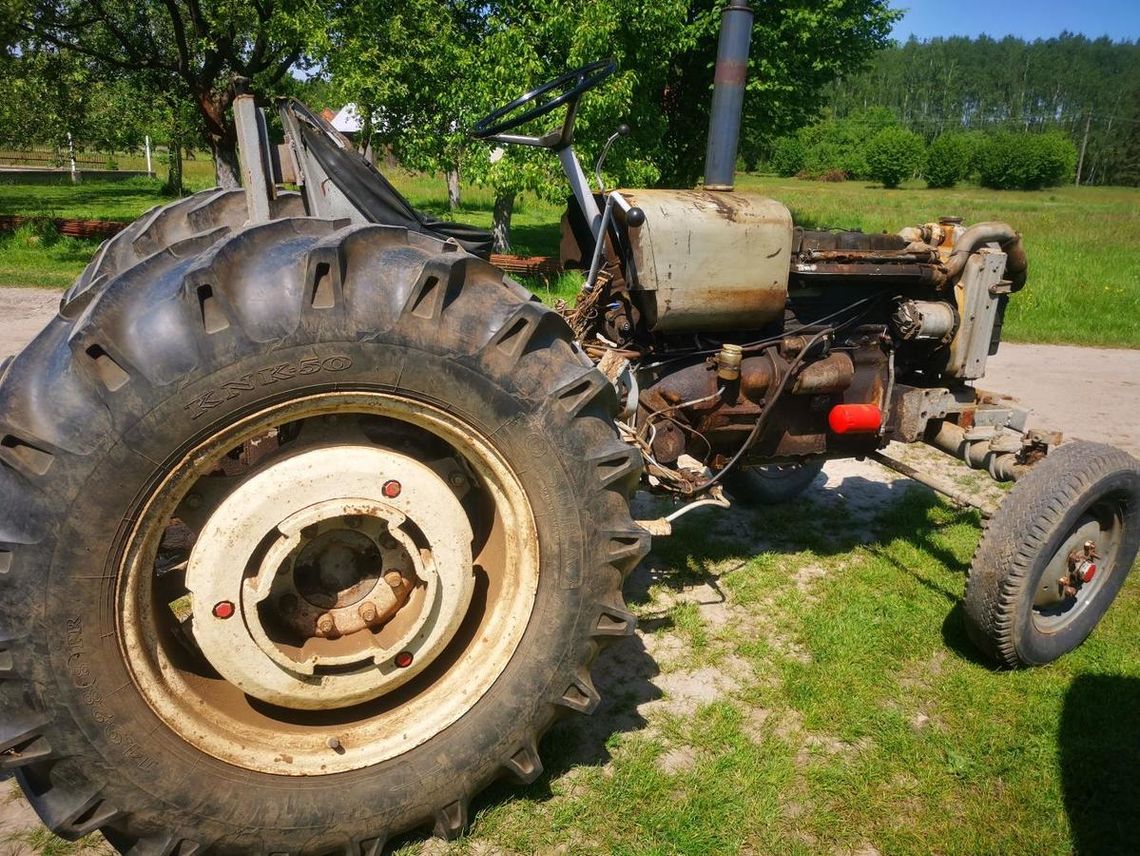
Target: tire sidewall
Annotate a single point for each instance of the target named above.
(1036, 647)
(129, 749)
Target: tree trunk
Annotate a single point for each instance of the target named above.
(453, 198)
(173, 184)
(501, 225)
(227, 173)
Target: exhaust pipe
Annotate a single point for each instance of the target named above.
(728, 95)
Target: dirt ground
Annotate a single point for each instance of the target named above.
(1087, 393)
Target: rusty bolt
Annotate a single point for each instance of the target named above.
(391, 488)
(326, 625)
(394, 578)
(457, 479)
(367, 612)
(193, 501)
(334, 744)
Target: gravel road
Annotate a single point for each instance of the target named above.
(1088, 393)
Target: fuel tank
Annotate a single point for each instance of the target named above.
(709, 260)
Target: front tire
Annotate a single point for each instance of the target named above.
(145, 441)
(772, 484)
(1054, 556)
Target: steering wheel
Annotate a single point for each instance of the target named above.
(575, 83)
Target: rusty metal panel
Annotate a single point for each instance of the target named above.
(977, 299)
(710, 260)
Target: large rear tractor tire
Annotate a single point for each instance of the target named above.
(1055, 554)
(306, 537)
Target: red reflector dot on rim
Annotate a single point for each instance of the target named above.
(1090, 572)
(404, 659)
(391, 489)
(224, 609)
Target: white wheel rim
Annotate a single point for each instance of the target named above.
(309, 737)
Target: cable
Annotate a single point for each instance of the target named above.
(762, 419)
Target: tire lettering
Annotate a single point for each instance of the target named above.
(89, 694)
(264, 377)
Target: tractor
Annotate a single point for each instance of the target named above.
(312, 521)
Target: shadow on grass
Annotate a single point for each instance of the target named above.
(1099, 753)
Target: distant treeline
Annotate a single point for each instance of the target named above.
(1066, 84)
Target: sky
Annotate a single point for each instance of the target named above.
(1030, 19)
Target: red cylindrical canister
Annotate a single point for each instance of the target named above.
(855, 418)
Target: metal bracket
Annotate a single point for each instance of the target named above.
(254, 159)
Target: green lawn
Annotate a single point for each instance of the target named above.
(802, 684)
(1083, 243)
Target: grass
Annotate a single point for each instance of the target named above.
(38, 256)
(847, 711)
(1083, 243)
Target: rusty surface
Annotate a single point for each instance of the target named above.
(730, 72)
(693, 410)
(710, 260)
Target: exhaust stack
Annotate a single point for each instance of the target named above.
(728, 95)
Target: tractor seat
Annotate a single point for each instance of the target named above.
(368, 190)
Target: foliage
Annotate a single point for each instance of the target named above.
(425, 71)
(1025, 161)
(1128, 171)
(894, 155)
(179, 52)
(788, 155)
(948, 160)
(798, 48)
(948, 84)
(831, 147)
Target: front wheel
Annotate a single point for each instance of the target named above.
(1055, 555)
(306, 540)
(772, 484)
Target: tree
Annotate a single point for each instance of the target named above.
(957, 83)
(1128, 170)
(947, 160)
(53, 96)
(184, 49)
(665, 51)
(404, 64)
(1026, 161)
(894, 155)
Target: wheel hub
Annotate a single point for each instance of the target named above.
(342, 591)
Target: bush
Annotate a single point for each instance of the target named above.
(1026, 161)
(948, 160)
(894, 155)
(788, 156)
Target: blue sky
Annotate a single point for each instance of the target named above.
(1030, 19)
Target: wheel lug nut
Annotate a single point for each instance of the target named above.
(404, 659)
(394, 578)
(194, 501)
(367, 612)
(334, 744)
(456, 479)
(224, 609)
(391, 489)
(326, 625)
